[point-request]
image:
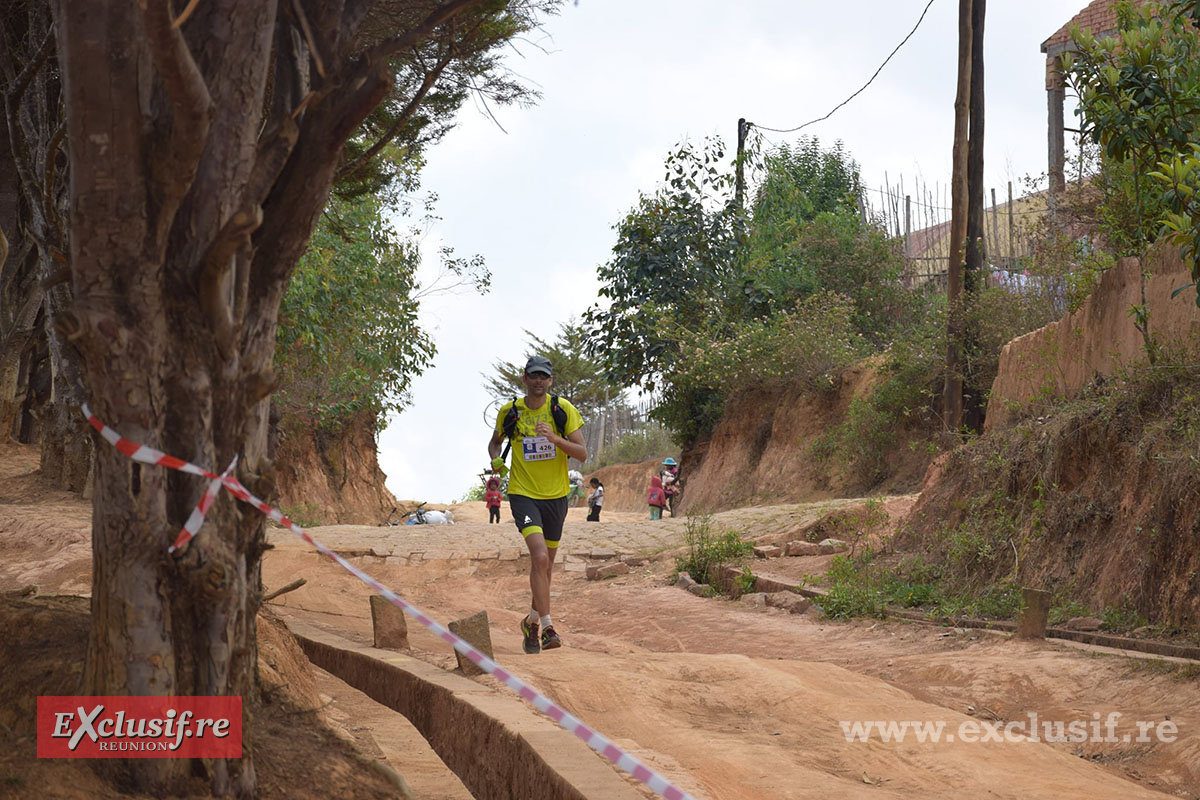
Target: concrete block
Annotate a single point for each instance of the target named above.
(1035, 612)
(1084, 624)
(476, 631)
(602, 554)
(389, 624)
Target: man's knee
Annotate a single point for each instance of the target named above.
(539, 558)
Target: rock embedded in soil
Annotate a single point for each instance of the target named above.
(802, 549)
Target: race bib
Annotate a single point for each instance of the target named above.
(537, 448)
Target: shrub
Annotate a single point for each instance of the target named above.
(855, 587)
(654, 441)
(708, 551)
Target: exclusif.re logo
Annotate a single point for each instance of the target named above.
(139, 727)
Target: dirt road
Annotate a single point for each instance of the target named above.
(727, 700)
(732, 702)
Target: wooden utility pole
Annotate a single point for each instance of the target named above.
(973, 406)
(743, 129)
(952, 392)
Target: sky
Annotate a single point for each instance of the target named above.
(537, 190)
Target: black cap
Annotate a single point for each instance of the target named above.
(538, 364)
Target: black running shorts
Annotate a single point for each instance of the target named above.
(549, 515)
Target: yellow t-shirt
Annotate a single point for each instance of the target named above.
(538, 468)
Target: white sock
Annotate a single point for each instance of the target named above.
(545, 621)
(533, 616)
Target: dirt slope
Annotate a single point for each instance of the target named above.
(760, 451)
(625, 485)
(331, 477)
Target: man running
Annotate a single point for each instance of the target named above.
(538, 486)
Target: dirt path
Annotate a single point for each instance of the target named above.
(727, 700)
(735, 702)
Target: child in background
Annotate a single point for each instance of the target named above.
(670, 480)
(493, 497)
(596, 500)
(656, 497)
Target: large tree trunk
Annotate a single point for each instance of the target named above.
(34, 283)
(155, 223)
(188, 214)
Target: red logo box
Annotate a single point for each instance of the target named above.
(139, 727)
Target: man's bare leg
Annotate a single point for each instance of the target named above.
(541, 560)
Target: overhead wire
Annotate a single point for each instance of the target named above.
(860, 91)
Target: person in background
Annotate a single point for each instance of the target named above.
(656, 497)
(493, 497)
(538, 485)
(596, 500)
(670, 481)
(575, 478)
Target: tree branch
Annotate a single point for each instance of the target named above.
(26, 76)
(308, 37)
(187, 12)
(210, 283)
(190, 100)
(409, 109)
(273, 153)
(48, 211)
(439, 16)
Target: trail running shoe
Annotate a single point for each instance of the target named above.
(530, 631)
(550, 639)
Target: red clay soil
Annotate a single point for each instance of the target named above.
(728, 700)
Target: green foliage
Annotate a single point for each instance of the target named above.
(1122, 618)
(306, 515)
(905, 397)
(706, 303)
(690, 411)
(575, 375)
(669, 270)
(855, 587)
(634, 447)
(348, 337)
(862, 586)
(799, 184)
(474, 494)
(1139, 98)
(811, 345)
(744, 583)
(441, 72)
(708, 551)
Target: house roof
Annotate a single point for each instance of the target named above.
(1100, 17)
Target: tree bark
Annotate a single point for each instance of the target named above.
(952, 391)
(188, 213)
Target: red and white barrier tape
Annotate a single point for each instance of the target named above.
(595, 740)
